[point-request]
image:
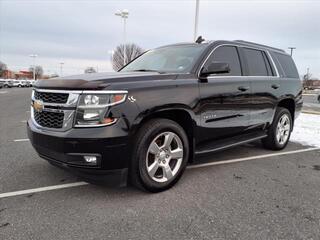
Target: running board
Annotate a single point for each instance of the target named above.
(231, 142)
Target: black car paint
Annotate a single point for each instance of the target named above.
(215, 109)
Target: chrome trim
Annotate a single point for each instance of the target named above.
(67, 121)
(240, 46)
(72, 102)
(56, 91)
(241, 76)
(209, 55)
(104, 92)
(81, 91)
(274, 65)
(104, 105)
(96, 125)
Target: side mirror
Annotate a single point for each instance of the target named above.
(215, 68)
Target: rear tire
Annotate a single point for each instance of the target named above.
(280, 130)
(160, 155)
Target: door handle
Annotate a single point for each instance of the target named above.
(275, 86)
(243, 88)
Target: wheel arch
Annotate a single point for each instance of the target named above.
(289, 104)
(181, 116)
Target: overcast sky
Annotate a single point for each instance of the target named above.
(81, 33)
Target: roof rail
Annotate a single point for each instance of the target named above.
(257, 44)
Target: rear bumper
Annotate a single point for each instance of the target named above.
(67, 150)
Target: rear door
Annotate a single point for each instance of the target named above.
(225, 98)
(264, 83)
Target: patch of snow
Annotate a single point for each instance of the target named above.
(306, 130)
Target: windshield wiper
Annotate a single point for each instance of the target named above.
(146, 70)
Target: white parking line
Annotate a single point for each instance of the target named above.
(23, 121)
(309, 94)
(3, 92)
(77, 184)
(251, 158)
(21, 140)
(42, 189)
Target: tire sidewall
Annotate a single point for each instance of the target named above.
(147, 182)
(279, 114)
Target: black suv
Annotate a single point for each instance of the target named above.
(146, 122)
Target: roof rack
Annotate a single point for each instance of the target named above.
(261, 45)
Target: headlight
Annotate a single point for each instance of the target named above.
(93, 106)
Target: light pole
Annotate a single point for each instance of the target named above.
(196, 19)
(124, 15)
(291, 50)
(34, 65)
(61, 65)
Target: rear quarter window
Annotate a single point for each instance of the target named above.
(288, 67)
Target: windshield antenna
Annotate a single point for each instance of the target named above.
(200, 39)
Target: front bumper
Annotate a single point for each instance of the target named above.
(67, 150)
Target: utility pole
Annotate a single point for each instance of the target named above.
(124, 15)
(307, 79)
(196, 19)
(61, 66)
(291, 50)
(34, 65)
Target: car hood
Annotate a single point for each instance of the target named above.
(101, 80)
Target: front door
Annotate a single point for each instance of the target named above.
(225, 98)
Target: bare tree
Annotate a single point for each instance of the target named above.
(132, 51)
(3, 67)
(90, 70)
(38, 71)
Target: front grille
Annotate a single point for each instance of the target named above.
(49, 119)
(49, 97)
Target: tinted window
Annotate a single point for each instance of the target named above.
(256, 62)
(288, 66)
(227, 54)
(177, 58)
(268, 65)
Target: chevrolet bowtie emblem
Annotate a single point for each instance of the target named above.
(38, 105)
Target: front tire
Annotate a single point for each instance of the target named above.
(280, 130)
(160, 155)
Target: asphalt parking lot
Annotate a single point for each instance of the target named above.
(259, 194)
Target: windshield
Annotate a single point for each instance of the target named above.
(172, 59)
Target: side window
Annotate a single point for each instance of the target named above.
(227, 54)
(256, 62)
(288, 66)
(268, 65)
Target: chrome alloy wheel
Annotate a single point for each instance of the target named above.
(283, 129)
(164, 157)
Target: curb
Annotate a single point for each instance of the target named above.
(311, 112)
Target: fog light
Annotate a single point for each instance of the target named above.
(91, 159)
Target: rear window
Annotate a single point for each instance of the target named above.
(287, 65)
(256, 62)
